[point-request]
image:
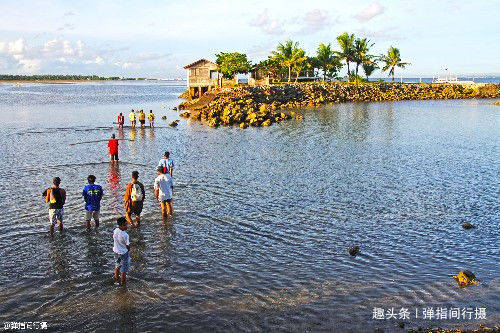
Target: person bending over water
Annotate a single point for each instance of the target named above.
(164, 188)
(134, 199)
(92, 194)
(113, 149)
(121, 248)
(55, 197)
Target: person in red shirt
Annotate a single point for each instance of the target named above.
(113, 149)
(121, 120)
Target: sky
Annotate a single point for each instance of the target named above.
(153, 38)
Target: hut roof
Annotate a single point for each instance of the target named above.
(197, 62)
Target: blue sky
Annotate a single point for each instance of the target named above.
(157, 38)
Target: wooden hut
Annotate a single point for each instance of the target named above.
(202, 76)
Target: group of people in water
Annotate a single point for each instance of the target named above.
(134, 196)
(133, 119)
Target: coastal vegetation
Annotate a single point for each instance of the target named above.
(231, 64)
(392, 60)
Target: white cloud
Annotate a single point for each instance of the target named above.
(374, 9)
(13, 48)
(266, 24)
(315, 21)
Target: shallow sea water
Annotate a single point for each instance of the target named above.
(262, 218)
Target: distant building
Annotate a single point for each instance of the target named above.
(202, 77)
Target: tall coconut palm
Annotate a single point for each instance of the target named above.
(361, 47)
(392, 60)
(284, 54)
(346, 43)
(327, 60)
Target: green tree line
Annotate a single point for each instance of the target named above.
(289, 60)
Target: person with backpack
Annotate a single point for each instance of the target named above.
(134, 199)
(56, 198)
(167, 164)
(92, 194)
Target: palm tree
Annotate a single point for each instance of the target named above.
(285, 53)
(361, 48)
(327, 60)
(299, 62)
(346, 42)
(392, 59)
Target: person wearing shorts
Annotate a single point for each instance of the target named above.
(121, 248)
(92, 194)
(131, 116)
(164, 188)
(142, 118)
(134, 199)
(56, 198)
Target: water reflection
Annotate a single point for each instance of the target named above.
(114, 180)
(59, 256)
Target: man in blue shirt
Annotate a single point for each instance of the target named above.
(92, 194)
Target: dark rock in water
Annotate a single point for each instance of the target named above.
(185, 114)
(175, 108)
(467, 225)
(401, 324)
(164, 117)
(353, 250)
(174, 123)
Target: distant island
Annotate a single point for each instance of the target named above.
(64, 78)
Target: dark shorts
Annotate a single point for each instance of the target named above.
(168, 200)
(114, 157)
(142, 122)
(135, 208)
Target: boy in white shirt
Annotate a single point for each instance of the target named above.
(121, 248)
(164, 188)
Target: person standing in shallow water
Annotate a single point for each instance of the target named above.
(121, 248)
(121, 120)
(134, 199)
(164, 188)
(131, 116)
(167, 163)
(151, 118)
(56, 198)
(113, 149)
(92, 194)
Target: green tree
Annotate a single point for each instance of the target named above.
(361, 47)
(346, 43)
(327, 61)
(369, 67)
(392, 60)
(231, 64)
(288, 55)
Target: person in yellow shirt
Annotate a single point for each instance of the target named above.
(131, 116)
(151, 118)
(142, 118)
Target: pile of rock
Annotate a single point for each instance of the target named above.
(258, 106)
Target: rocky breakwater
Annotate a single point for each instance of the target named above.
(245, 106)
